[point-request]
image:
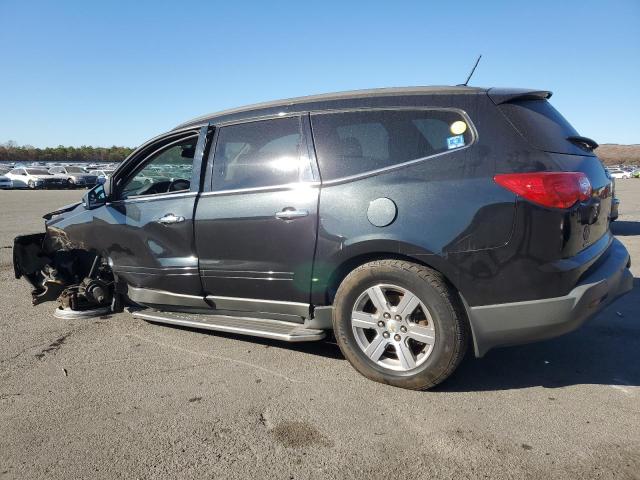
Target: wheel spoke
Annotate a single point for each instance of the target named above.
(421, 334)
(405, 355)
(363, 320)
(378, 298)
(407, 305)
(376, 347)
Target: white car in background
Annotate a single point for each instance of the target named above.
(5, 182)
(103, 175)
(36, 178)
(619, 173)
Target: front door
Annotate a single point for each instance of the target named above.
(150, 218)
(256, 226)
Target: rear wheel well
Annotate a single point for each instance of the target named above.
(351, 264)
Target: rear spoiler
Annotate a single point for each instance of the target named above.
(506, 95)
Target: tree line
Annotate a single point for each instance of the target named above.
(12, 152)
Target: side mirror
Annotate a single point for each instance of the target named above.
(94, 198)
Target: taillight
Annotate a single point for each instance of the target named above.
(549, 189)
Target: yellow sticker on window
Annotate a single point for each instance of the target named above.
(458, 127)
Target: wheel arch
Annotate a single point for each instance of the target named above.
(339, 273)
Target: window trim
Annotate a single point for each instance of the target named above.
(306, 149)
(397, 166)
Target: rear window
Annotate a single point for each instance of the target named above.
(542, 126)
(351, 143)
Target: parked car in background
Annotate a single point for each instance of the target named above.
(5, 182)
(36, 178)
(76, 176)
(376, 214)
(102, 175)
(619, 173)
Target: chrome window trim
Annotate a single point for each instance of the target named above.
(397, 166)
(272, 188)
(155, 196)
(258, 118)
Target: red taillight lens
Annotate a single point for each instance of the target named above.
(549, 189)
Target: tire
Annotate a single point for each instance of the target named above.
(32, 185)
(357, 329)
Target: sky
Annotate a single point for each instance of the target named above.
(108, 73)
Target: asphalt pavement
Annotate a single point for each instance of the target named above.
(116, 397)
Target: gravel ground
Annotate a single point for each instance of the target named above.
(117, 397)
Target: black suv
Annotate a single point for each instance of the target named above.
(413, 222)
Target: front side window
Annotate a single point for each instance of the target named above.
(351, 143)
(259, 154)
(166, 171)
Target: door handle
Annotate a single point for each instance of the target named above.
(290, 213)
(170, 219)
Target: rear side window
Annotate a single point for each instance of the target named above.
(542, 126)
(259, 154)
(351, 143)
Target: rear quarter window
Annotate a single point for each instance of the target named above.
(352, 143)
(542, 126)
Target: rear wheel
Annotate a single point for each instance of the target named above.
(400, 323)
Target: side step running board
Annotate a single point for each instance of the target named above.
(277, 330)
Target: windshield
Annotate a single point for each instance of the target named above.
(75, 170)
(37, 171)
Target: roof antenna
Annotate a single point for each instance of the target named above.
(472, 70)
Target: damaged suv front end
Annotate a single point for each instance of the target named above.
(59, 268)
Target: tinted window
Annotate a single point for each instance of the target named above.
(542, 125)
(164, 172)
(38, 171)
(259, 154)
(349, 143)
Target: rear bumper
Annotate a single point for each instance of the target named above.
(530, 321)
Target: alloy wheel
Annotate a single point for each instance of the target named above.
(393, 327)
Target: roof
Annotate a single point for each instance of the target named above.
(327, 100)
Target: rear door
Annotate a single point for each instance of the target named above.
(256, 225)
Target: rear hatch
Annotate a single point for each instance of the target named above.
(544, 128)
